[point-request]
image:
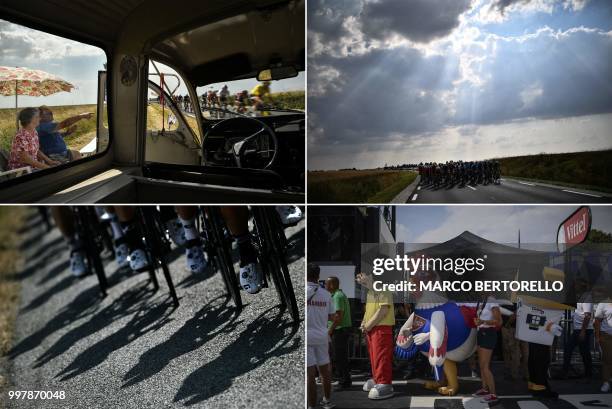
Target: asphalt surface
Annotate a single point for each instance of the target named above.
(132, 349)
(508, 191)
(574, 394)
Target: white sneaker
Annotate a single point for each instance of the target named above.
(194, 256)
(138, 260)
(289, 214)
(250, 278)
(605, 388)
(77, 264)
(381, 391)
(326, 404)
(176, 232)
(368, 385)
(121, 255)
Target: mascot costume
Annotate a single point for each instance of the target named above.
(444, 332)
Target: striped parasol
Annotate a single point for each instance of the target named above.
(36, 83)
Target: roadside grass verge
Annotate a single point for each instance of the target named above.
(11, 220)
(590, 170)
(357, 186)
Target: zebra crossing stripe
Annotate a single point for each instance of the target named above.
(511, 402)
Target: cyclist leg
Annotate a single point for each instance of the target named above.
(137, 258)
(173, 225)
(64, 220)
(196, 262)
(119, 244)
(237, 221)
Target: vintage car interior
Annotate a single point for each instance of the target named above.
(235, 159)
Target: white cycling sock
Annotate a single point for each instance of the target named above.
(191, 232)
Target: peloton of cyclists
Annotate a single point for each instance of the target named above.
(460, 173)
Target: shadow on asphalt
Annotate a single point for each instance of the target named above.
(146, 318)
(55, 289)
(41, 257)
(84, 304)
(53, 272)
(215, 318)
(126, 304)
(270, 335)
(34, 221)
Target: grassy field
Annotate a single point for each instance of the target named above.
(357, 186)
(11, 220)
(290, 100)
(584, 169)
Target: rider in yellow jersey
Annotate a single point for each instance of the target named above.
(259, 94)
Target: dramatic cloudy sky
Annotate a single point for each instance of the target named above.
(538, 224)
(75, 62)
(403, 81)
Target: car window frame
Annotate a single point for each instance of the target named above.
(109, 104)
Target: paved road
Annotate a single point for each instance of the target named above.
(575, 394)
(132, 349)
(509, 191)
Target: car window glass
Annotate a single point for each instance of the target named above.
(52, 82)
(251, 97)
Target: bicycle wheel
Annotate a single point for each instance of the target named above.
(92, 252)
(217, 246)
(275, 257)
(155, 237)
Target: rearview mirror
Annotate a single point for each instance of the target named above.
(277, 73)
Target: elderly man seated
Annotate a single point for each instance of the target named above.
(52, 140)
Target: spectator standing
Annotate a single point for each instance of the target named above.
(319, 310)
(339, 329)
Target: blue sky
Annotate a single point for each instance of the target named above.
(78, 64)
(499, 223)
(72, 61)
(395, 81)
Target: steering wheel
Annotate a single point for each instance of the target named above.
(259, 141)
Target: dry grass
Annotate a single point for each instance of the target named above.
(590, 170)
(357, 186)
(11, 220)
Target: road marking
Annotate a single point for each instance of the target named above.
(523, 401)
(580, 193)
(419, 188)
(473, 188)
(415, 197)
(528, 184)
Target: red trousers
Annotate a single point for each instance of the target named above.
(380, 348)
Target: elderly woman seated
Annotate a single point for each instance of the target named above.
(25, 148)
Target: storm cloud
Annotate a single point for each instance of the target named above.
(417, 20)
(402, 74)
